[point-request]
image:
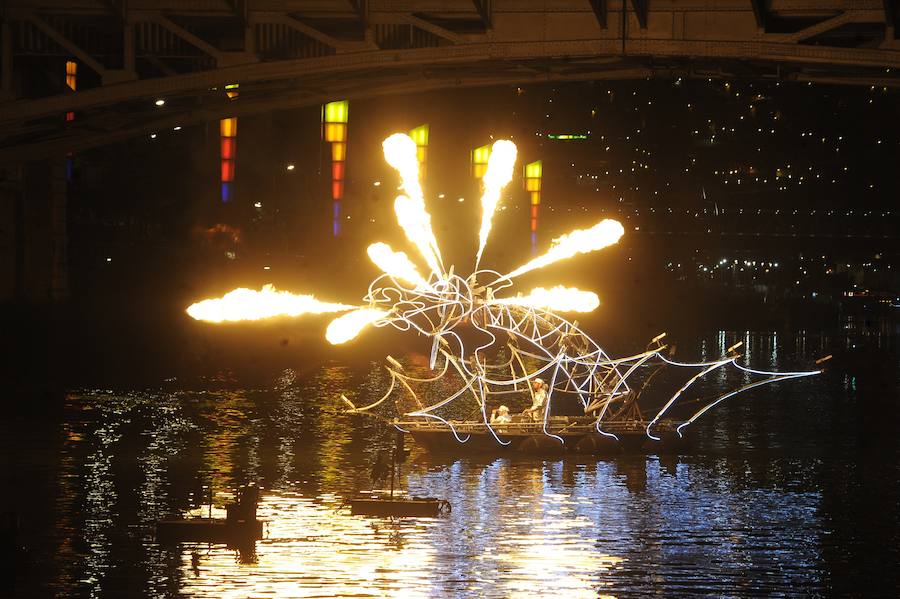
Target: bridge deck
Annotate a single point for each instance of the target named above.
(300, 53)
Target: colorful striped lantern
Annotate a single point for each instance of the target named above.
(533, 173)
(71, 83)
(228, 154)
(335, 116)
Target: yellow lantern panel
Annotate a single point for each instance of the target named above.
(420, 135)
(534, 170)
(336, 112)
(481, 155)
(338, 152)
(228, 127)
(336, 132)
(532, 184)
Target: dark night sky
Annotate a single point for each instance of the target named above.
(673, 156)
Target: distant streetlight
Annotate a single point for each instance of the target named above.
(160, 102)
(290, 167)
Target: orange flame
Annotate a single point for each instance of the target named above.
(249, 304)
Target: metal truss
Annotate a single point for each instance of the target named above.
(301, 52)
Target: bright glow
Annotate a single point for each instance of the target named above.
(559, 299)
(72, 74)
(336, 112)
(160, 102)
(499, 174)
(228, 127)
(480, 157)
(249, 304)
(290, 167)
(416, 223)
(568, 136)
(579, 241)
(348, 326)
(420, 135)
(400, 153)
(396, 264)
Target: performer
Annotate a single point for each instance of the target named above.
(500, 415)
(538, 399)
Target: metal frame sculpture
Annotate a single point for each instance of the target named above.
(495, 345)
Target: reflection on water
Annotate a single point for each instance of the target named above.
(769, 503)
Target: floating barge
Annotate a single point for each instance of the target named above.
(562, 434)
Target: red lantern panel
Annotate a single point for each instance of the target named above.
(229, 145)
(228, 170)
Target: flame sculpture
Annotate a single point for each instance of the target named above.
(493, 345)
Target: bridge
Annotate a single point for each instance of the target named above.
(77, 74)
(303, 52)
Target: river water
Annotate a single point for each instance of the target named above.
(789, 491)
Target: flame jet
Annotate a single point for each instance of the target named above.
(559, 299)
(580, 241)
(396, 264)
(400, 153)
(348, 326)
(268, 302)
(499, 174)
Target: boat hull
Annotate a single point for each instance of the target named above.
(531, 439)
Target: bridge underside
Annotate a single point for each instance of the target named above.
(130, 53)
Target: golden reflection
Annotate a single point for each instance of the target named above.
(310, 544)
(228, 416)
(567, 564)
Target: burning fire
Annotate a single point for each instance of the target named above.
(601, 235)
(416, 223)
(499, 174)
(400, 153)
(558, 299)
(249, 304)
(447, 295)
(396, 264)
(348, 326)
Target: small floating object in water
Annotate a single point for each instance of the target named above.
(428, 507)
(212, 530)
(239, 525)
